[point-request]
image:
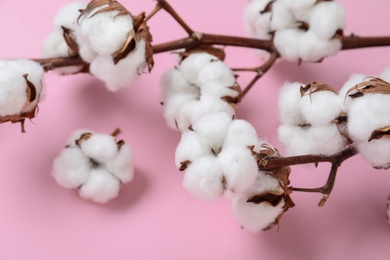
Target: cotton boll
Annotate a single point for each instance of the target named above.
(213, 128)
(12, 92)
(289, 100)
(122, 165)
(71, 168)
(298, 6)
(282, 17)
(172, 108)
(203, 179)
(263, 27)
(326, 18)
(100, 147)
(238, 166)
(287, 42)
(385, 75)
(75, 135)
(55, 46)
(294, 141)
(256, 217)
(377, 152)
(100, 187)
(312, 49)
(320, 108)
(190, 148)
(252, 16)
(174, 81)
(193, 64)
(242, 133)
(366, 114)
(216, 89)
(124, 72)
(106, 32)
(68, 15)
(85, 52)
(351, 82)
(216, 71)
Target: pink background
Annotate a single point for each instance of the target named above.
(154, 217)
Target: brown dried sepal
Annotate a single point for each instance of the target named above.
(314, 87)
(268, 7)
(20, 118)
(184, 165)
(83, 137)
(379, 133)
(31, 92)
(341, 123)
(111, 6)
(233, 101)
(215, 51)
(372, 86)
(72, 44)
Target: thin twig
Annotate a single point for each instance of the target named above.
(156, 9)
(354, 42)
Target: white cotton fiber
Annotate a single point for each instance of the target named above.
(193, 64)
(385, 75)
(67, 15)
(216, 71)
(213, 128)
(313, 49)
(262, 27)
(71, 168)
(320, 108)
(256, 217)
(106, 32)
(238, 166)
(298, 5)
(122, 165)
(287, 42)
(351, 82)
(174, 81)
(289, 104)
(100, 187)
(326, 18)
(242, 133)
(190, 148)
(124, 72)
(255, 22)
(203, 179)
(172, 107)
(55, 46)
(377, 152)
(366, 114)
(282, 17)
(100, 147)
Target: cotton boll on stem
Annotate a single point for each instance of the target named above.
(193, 64)
(216, 71)
(190, 148)
(385, 75)
(252, 16)
(67, 15)
(282, 17)
(351, 82)
(122, 165)
(100, 147)
(242, 133)
(289, 104)
(313, 49)
(376, 152)
(100, 187)
(287, 42)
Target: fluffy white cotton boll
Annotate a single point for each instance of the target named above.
(55, 46)
(122, 165)
(320, 108)
(256, 22)
(75, 135)
(256, 217)
(242, 133)
(85, 52)
(289, 104)
(100, 147)
(174, 81)
(282, 17)
(213, 128)
(216, 89)
(100, 187)
(71, 168)
(193, 64)
(287, 42)
(313, 49)
(366, 114)
(326, 18)
(106, 32)
(238, 166)
(385, 75)
(190, 148)
(351, 82)
(298, 6)
(325, 140)
(377, 152)
(172, 107)
(68, 14)
(216, 71)
(203, 179)
(124, 72)
(195, 110)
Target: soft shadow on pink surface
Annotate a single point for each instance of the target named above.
(154, 217)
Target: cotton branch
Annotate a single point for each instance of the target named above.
(336, 160)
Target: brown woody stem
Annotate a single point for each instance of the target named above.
(354, 42)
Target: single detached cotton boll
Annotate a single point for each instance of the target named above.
(376, 152)
(21, 86)
(289, 104)
(193, 64)
(67, 15)
(100, 187)
(367, 114)
(124, 72)
(287, 42)
(259, 216)
(238, 166)
(320, 108)
(351, 82)
(313, 49)
(326, 18)
(242, 133)
(282, 17)
(203, 178)
(105, 32)
(385, 75)
(213, 128)
(95, 164)
(257, 23)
